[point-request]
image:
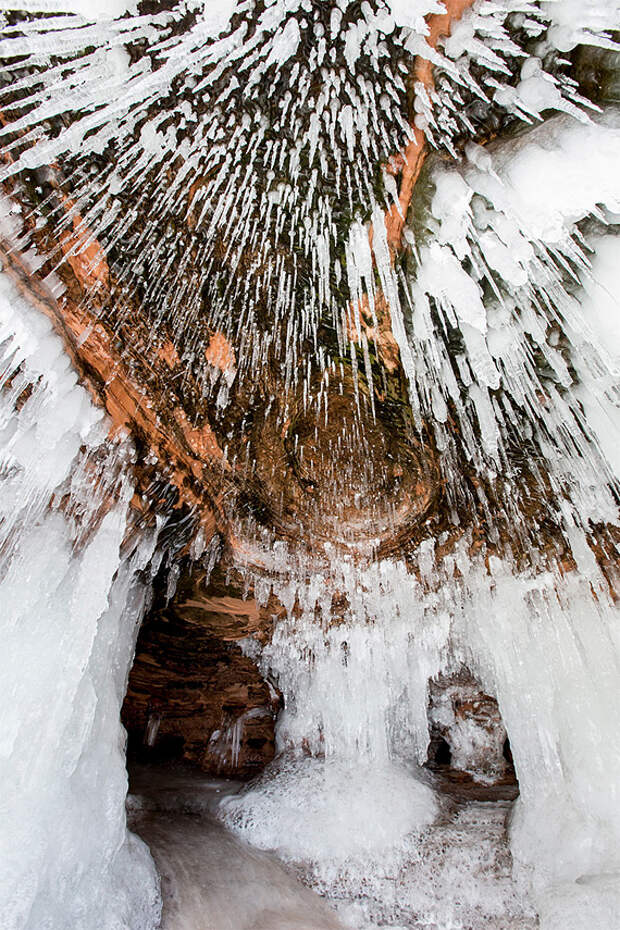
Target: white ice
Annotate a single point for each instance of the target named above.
(355, 729)
(70, 603)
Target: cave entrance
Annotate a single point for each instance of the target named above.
(469, 750)
(194, 694)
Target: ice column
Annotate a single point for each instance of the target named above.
(70, 602)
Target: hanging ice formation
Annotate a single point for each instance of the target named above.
(283, 114)
(238, 166)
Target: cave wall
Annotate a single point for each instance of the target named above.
(193, 694)
(468, 750)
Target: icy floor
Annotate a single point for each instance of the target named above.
(457, 877)
(210, 879)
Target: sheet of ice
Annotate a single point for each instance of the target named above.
(70, 605)
(212, 879)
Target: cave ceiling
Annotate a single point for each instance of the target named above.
(192, 233)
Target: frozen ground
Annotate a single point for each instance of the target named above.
(210, 879)
(457, 876)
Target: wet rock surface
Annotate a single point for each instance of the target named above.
(192, 692)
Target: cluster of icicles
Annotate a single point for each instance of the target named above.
(242, 139)
(287, 109)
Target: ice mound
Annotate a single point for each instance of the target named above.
(340, 819)
(382, 847)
